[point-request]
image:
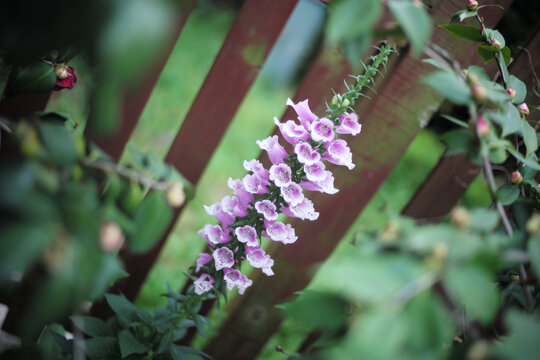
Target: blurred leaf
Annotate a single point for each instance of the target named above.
(34, 78)
(520, 87)
(152, 217)
(105, 107)
(509, 119)
(349, 19)
(522, 340)
(529, 137)
(497, 153)
(458, 122)
(415, 22)
(129, 345)
(59, 143)
(131, 198)
(92, 326)
(475, 289)
(101, 348)
(124, 309)
(479, 71)
(494, 35)
(191, 351)
(450, 86)
(462, 15)
(51, 349)
(494, 92)
(467, 32)
(458, 141)
(507, 55)
(521, 211)
(533, 164)
(486, 52)
(508, 193)
(108, 272)
(483, 219)
(356, 48)
(534, 253)
(317, 309)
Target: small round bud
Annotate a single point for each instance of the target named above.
(472, 5)
(533, 224)
(478, 351)
(516, 177)
(418, 3)
(511, 92)
(111, 237)
(61, 71)
(479, 92)
(335, 100)
(496, 43)
(175, 194)
(464, 72)
(279, 349)
(346, 103)
(390, 232)
(515, 278)
(460, 217)
(439, 251)
(458, 340)
(523, 109)
(482, 127)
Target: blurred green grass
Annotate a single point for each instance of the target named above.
(178, 85)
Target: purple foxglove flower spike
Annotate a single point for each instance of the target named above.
(240, 191)
(305, 115)
(337, 152)
(214, 234)
(292, 194)
(257, 257)
(223, 258)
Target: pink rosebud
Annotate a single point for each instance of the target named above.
(496, 43)
(479, 93)
(482, 127)
(65, 77)
(523, 109)
(472, 5)
(511, 92)
(111, 237)
(516, 177)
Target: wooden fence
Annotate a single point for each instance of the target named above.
(390, 122)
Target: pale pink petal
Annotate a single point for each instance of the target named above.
(306, 154)
(292, 194)
(275, 151)
(203, 284)
(337, 152)
(223, 258)
(291, 131)
(322, 130)
(203, 259)
(349, 124)
(267, 209)
(305, 115)
(247, 234)
(281, 174)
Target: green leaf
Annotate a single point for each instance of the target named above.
(479, 71)
(129, 345)
(458, 141)
(151, 219)
(494, 92)
(529, 137)
(483, 219)
(522, 340)
(101, 348)
(533, 164)
(92, 326)
(520, 87)
(494, 35)
(449, 85)
(461, 123)
(59, 143)
(415, 22)
(124, 309)
(356, 48)
(462, 15)
(318, 309)
(534, 253)
(475, 289)
(34, 78)
(486, 52)
(464, 31)
(189, 350)
(108, 272)
(497, 153)
(507, 55)
(508, 193)
(349, 19)
(509, 119)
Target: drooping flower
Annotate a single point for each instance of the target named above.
(216, 211)
(231, 205)
(281, 175)
(278, 231)
(65, 77)
(322, 130)
(204, 258)
(291, 131)
(214, 234)
(275, 151)
(306, 154)
(247, 234)
(292, 194)
(234, 278)
(267, 209)
(258, 169)
(223, 258)
(253, 184)
(203, 284)
(304, 210)
(349, 124)
(325, 185)
(240, 191)
(315, 172)
(305, 115)
(258, 258)
(337, 152)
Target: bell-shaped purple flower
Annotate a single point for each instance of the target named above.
(216, 211)
(258, 169)
(203, 284)
(304, 210)
(234, 278)
(258, 258)
(292, 194)
(267, 209)
(278, 231)
(305, 115)
(348, 124)
(223, 258)
(240, 191)
(254, 185)
(315, 172)
(291, 131)
(306, 154)
(281, 174)
(337, 152)
(322, 130)
(232, 206)
(204, 258)
(247, 235)
(275, 151)
(214, 235)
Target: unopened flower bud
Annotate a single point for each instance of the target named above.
(471, 78)
(418, 3)
(439, 251)
(175, 194)
(460, 218)
(346, 102)
(479, 93)
(511, 92)
(496, 43)
(478, 351)
(533, 224)
(482, 127)
(515, 278)
(390, 232)
(335, 100)
(472, 5)
(523, 109)
(61, 71)
(516, 177)
(111, 237)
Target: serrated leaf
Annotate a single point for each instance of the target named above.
(507, 194)
(129, 344)
(151, 219)
(348, 19)
(520, 87)
(462, 15)
(415, 22)
(529, 137)
(475, 290)
(450, 86)
(463, 31)
(91, 326)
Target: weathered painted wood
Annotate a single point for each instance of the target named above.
(135, 99)
(390, 122)
(248, 43)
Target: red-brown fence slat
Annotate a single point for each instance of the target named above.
(248, 43)
(134, 100)
(390, 122)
